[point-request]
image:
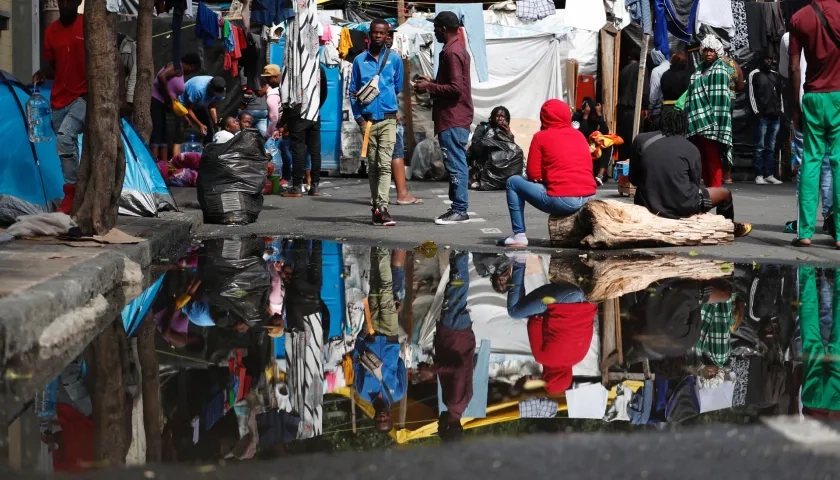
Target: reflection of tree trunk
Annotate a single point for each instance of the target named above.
(145, 70)
(102, 166)
(151, 389)
(108, 359)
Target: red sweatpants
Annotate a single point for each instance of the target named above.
(710, 159)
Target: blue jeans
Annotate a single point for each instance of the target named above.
(453, 144)
(68, 123)
(520, 190)
(523, 306)
(765, 146)
(454, 313)
(285, 146)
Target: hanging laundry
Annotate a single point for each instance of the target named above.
(326, 33)
(206, 25)
(271, 12)
(739, 15)
(660, 29)
(301, 72)
(329, 55)
(716, 13)
(344, 43)
(765, 23)
(640, 13)
(232, 57)
(359, 40)
(681, 16)
(472, 20)
(112, 6)
(227, 36)
(525, 9)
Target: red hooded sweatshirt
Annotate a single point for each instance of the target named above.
(560, 338)
(559, 157)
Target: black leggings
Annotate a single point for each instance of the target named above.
(159, 138)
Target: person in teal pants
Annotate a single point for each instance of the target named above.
(820, 361)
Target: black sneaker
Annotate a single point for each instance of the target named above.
(452, 218)
(314, 191)
(294, 191)
(599, 180)
(381, 218)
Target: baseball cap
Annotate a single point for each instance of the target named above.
(271, 70)
(446, 20)
(218, 85)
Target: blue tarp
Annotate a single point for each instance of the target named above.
(134, 312)
(29, 172)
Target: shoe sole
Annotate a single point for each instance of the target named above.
(291, 195)
(386, 224)
(450, 222)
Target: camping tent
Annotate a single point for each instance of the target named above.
(30, 173)
(144, 191)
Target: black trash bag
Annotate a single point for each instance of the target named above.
(496, 158)
(231, 178)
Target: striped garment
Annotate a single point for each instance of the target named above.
(716, 320)
(709, 105)
(301, 72)
(305, 374)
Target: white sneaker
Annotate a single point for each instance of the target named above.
(773, 180)
(759, 180)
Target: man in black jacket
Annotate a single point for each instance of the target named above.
(665, 168)
(766, 87)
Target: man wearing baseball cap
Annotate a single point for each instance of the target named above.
(452, 112)
(203, 90)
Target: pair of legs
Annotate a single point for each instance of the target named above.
(383, 137)
(721, 200)
(602, 163)
(306, 138)
(453, 145)
(160, 136)
(711, 154)
(821, 128)
(383, 308)
(398, 169)
(68, 123)
(520, 305)
(765, 147)
(821, 369)
(285, 146)
(520, 191)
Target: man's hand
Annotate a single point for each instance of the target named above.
(202, 128)
(425, 372)
(422, 84)
(361, 122)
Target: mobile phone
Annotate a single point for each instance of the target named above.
(415, 78)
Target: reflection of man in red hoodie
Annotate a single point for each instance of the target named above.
(559, 172)
(560, 325)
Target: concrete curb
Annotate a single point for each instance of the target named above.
(56, 318)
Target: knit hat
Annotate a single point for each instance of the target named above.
(712, 43)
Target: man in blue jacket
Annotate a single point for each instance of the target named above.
(378, 112)
(383, 343)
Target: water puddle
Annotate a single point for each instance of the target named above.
(262, 347)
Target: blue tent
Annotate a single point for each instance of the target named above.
(134, 313)
(30, 173)
(144, 191)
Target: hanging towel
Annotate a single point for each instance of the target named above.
(326, 33)
(472, 19)
(640, 13)
(344, 42)
(681, 17)
(206, 25)
(525, 9)
(715, 13)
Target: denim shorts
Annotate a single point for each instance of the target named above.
(399, 146)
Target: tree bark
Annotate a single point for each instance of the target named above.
(145, 70)
(107, 358)
(151, 389)
(102, 166)
(614, 224)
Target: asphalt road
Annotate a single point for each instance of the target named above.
(343, 213)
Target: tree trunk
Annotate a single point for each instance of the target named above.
(107, 358)
(613, 224)
(150, 370)
(102, 166)
(145, 70)
(613, 277)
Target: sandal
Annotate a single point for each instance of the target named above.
(416, 201)
(742, 229)
(801, 242)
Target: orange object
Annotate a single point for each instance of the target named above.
(368, 320)
(366, 140)
(585, 88)
(598, 141)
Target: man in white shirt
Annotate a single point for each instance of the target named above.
(826, 183)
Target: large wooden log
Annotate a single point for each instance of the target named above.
(614, 277)
(614, 224)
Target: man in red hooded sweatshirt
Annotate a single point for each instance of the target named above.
(559, 172)
(560, 324)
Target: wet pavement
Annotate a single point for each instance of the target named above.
(261, 347)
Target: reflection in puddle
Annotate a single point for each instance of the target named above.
(258, 348)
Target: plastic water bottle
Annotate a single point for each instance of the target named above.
(192, 146)
(274, 152)
(45, 401)
(38, 117)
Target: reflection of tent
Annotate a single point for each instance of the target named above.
(144, 192)
(30, 173)
(134, 312)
